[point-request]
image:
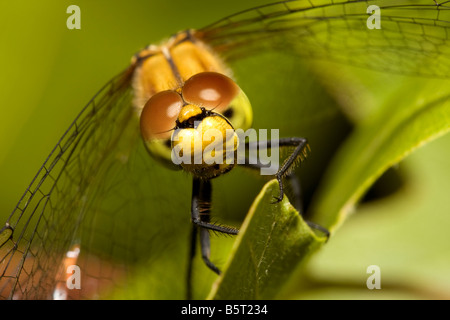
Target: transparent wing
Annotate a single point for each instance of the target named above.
(44, 223)
(99, 191)
(413, 39)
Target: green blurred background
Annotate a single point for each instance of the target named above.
(49, 73)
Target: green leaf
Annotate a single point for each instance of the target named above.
(406, 235)
(272, 242)
(419, 113)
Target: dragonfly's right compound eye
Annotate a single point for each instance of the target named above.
(158, 119)
(159, 115)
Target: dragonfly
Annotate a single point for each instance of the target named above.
(101, 201)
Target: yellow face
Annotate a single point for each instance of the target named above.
(186, 128)
(204, 142)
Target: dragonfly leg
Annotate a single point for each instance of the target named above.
(200, 216)
(294, 181)
(206, 250)
(201, 205)
(301, 147)
(192, 252)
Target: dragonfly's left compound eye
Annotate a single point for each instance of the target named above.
(210, 90)
(159, 115)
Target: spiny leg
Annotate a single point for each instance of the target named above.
(206, 250)
(191, 261)
(296, 188)
(294, 181)
(301, 146)
(200, 207)
(200, 216)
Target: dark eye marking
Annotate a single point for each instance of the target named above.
(228, 113)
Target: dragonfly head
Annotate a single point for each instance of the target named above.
(193, 127)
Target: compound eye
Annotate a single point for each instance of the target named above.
(211, 90)
(159, 115)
